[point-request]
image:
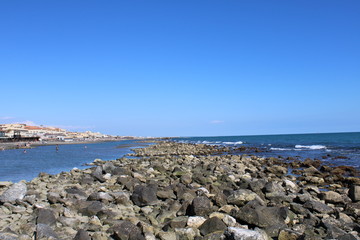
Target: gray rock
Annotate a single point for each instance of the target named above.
(82, 235)
(8, 236)
(125, 230)
(97, 174)
(16, 191)
(332, 197)
(74, 191)
(201, 206)
(92, 209)
(44, 231)
(241, 197)
(317, 206)
(211, 225)
(45, 216)
(235, 233)
(354, 193)
(144, 195)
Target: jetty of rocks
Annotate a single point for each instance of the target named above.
(175, 191)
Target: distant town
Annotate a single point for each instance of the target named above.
(23, 132)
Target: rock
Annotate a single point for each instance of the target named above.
(45, 216)
(92, 209)
(354, 193)
(200, 206)
(75, 191)
(15, 191)
(53, 197)
(196, 221)
(318, 206)
(211, 225)
(82, 235)
(332, 197)
(97, 174)
(8, 236)
(126, 230)
(241, 197)
(167, 235)
(235, 233)
(44, 231)
(179, 222)
(287, 234)
(144, 195)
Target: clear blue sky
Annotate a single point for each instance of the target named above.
(182, 68)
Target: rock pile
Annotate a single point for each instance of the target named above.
(185, 191)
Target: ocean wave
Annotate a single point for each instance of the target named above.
(233, 143)
(311, 147)
(281, 149)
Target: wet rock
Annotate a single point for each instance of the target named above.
(126, 230)
(144, 195)
(15, 191)
(211, 225)
(354, 193)
(235, 233)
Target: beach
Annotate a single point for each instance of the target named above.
(175, 190)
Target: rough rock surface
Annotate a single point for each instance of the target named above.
(186, 191)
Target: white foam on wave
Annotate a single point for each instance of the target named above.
(233, 143)
(280, 149)
(311, 147)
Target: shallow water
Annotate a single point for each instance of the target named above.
(17, 165)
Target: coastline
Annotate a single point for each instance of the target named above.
(176, 190)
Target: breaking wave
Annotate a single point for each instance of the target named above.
(311, 147)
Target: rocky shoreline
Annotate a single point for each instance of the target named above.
(186, 191)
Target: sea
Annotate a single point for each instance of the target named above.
(332, 148)
(17, 165)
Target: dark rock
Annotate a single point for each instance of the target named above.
(44, 231)
(125, 230)
(179, 222)
(92, 209)
(318, 206)
(166, 193)
(82, 235)
(201, 206)
(211, 225)
(354, 193)
(45, 216)
(97, 174)
(16, 191)
(262, 216)
(120, 171)
(299, 209)
(76, 191)
(144, 195)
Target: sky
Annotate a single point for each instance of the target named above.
(181, 68)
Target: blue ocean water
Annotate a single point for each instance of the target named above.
(17, 165)
(332, 148)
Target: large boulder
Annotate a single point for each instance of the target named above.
(318, 206)
(44, 231)
(16, 191)
(45, 216)
(241, 197)
(144, 195)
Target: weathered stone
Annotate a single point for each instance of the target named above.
(318, 206)
(179, 222)
(15, 191)
(82, 235)
(44, 231)
(167, 235)
(200, 206)
(288, 234)
(241, 197)
(196, 221)
(92, 209)
(354, 193)
(125, 230)
(8, 236)
(74, 191)
(332, 197)
(97, 174)
(213, 224)
(235, 233)
(45, 216)
(144, 195)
